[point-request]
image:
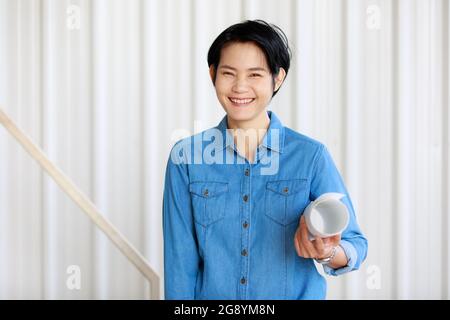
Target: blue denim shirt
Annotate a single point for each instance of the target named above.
(229, 224)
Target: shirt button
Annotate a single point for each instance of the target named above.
(206, 193)
(245, 225)
(286, 190)
(243, 281)
(244, 253)
(245, 198)
(247, 172)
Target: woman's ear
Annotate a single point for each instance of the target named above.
(279, 79)
(212, 73)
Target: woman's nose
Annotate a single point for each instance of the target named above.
(240, 85)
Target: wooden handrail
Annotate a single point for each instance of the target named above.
(119, 240)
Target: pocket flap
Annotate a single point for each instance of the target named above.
(287, 187)
(208, 189)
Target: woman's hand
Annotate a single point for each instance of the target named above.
(319, 248)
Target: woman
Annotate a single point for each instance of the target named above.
(235, 194)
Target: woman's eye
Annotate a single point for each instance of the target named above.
(227, 73)
(255, 75)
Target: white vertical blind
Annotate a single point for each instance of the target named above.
(106, 95)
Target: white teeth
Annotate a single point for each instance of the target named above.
(241, 101)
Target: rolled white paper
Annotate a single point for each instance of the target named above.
(326, 216)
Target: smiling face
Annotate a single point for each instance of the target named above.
(244, 84)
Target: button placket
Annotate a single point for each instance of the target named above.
(245, 215)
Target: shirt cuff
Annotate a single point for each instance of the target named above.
(351, 254)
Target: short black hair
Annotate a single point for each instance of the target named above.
(269, 37)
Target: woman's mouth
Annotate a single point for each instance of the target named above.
(241, 102)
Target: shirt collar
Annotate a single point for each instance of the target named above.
(275, 130)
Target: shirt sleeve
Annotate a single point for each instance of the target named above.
(326, 178)
(181, 258)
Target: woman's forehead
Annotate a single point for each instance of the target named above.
(243, 55)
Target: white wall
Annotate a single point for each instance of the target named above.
(107, 98)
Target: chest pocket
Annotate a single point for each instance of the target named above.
(286, 199)
(208, 201)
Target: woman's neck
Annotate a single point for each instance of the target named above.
(261, 122)
(248, 135)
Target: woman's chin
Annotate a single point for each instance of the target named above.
(239, 116)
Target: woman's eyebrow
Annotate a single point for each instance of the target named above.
(257, 69)
(249, 69)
